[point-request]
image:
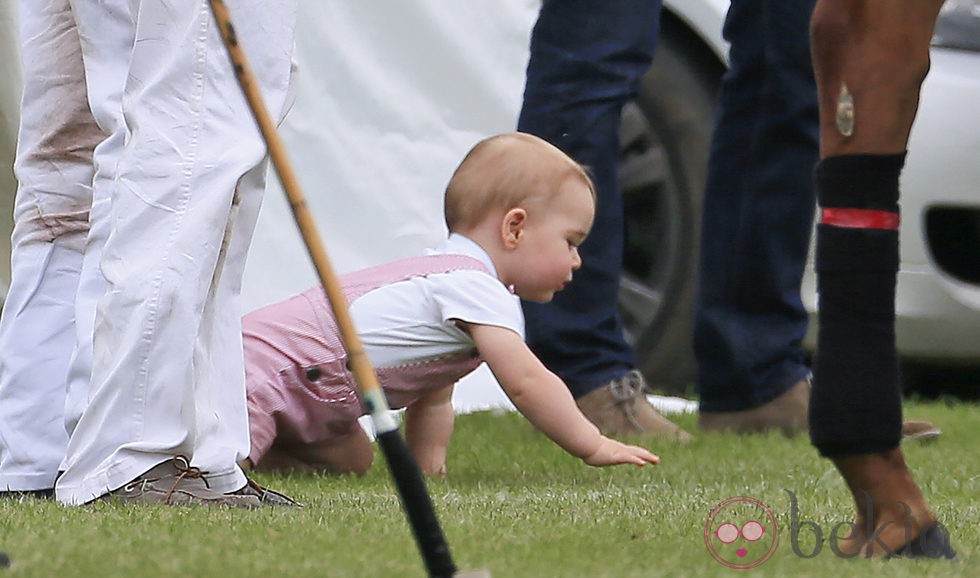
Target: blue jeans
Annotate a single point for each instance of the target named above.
(587, 57)
(758, 210)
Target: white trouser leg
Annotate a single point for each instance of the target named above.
(219, 437)
(91, 287)
(223, 363)
(106, 33)
(191, 141)
(36, 337)
(54, 171)
(218, 358)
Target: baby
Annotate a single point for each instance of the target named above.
(517, 209)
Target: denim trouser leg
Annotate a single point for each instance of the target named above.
(758, 210)
(586, 60)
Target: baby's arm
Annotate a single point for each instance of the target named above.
(428, 427)
(545, 400)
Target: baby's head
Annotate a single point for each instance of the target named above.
(504, 171)
(528, 204)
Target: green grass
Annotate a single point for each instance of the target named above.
(514, 504)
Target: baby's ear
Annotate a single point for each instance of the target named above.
(512, 227)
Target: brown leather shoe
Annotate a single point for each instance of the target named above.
(176, 482)
(787, 413)
(620, 408)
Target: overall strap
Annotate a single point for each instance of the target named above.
(360, 282)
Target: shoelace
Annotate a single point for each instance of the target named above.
(625, 391)
(185, 471)
(250, 483)
(263, 493)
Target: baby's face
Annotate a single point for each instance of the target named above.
(548, 252)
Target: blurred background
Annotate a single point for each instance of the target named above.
(390, 98)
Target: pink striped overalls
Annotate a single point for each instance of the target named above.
(300, 390)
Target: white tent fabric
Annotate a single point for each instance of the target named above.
(388, 102)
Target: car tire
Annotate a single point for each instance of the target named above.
(665, 137)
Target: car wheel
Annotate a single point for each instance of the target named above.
(665, 136)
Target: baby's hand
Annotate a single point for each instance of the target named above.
(612, 453)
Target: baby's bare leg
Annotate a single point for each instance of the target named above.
(280, 460)
(351, 453)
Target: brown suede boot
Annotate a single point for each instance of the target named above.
(920, 430)
(620, 408)
(787, 413)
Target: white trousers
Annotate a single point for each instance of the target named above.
(173, 187)
(55, 171)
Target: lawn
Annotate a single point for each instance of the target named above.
(518, 506)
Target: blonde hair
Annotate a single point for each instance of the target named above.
(505, 171)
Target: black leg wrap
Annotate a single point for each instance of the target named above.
(862, 181)
(856, 402)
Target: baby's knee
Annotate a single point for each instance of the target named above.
(350, 454)
(357, 457)
(361, 463)
(357, 463)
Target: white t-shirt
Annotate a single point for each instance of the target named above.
(413, 320)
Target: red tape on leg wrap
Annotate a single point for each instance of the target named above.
(860, 218)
